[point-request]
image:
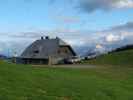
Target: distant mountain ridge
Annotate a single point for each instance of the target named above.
(2, 56)
(123, 48)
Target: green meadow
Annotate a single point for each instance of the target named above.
(108, 81)
(121, 58)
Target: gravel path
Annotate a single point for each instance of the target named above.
(67, 66)
(74, 66)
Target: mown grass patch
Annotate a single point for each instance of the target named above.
(25, 82)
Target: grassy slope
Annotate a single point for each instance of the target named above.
(123, 58)
(20, 82)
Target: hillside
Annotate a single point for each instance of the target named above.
(25, 82)
(123, 48)
(122, 58)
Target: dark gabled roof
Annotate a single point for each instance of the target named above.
(44, 48)
(61, 42)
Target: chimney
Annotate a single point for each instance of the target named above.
(42, 38)
(47, 37)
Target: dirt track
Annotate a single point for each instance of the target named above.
(74, 66)
(67, 66)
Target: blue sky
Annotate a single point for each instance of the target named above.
(87, 21)
(21, 15)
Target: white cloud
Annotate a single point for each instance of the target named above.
(124, 27)
(127, 34)
(124, 4)
(98, 46)
(114, 38)
(77, 42)
(105, 5)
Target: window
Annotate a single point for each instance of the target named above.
(65, 51)
(59, 51)
(36, 51)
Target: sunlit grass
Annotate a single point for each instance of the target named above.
(24, 82)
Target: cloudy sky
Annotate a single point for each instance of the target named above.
(82, 23)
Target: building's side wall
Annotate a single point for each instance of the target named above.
(56, 60)
(64, 52)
